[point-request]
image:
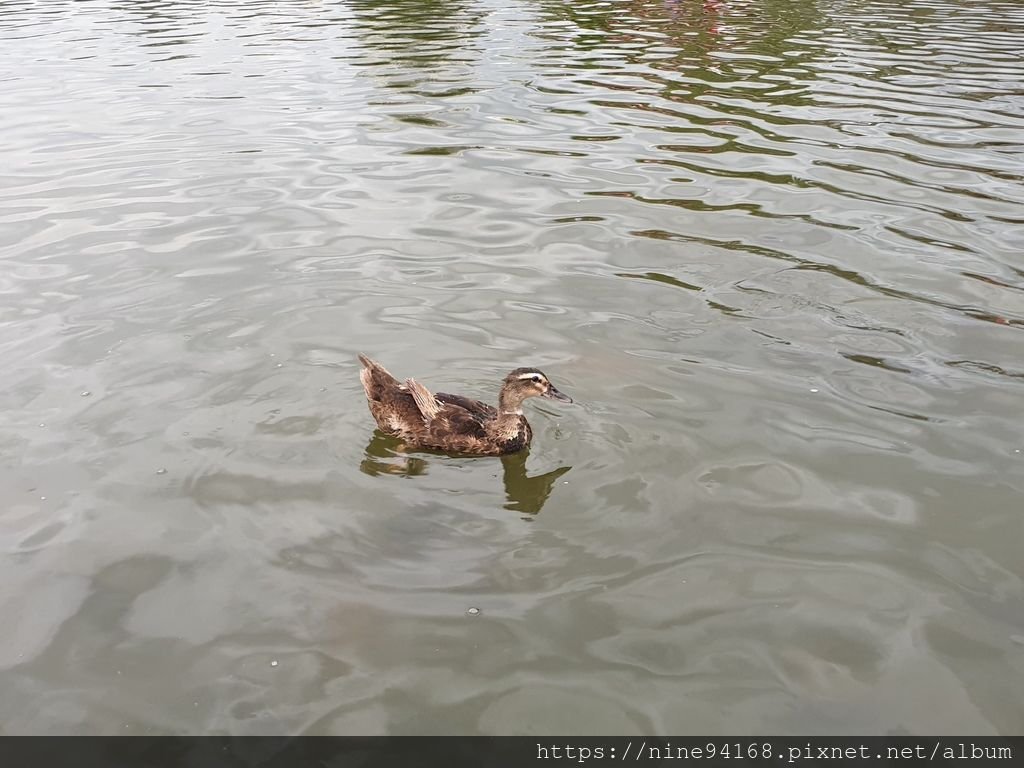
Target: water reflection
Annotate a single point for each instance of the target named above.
(687, 32)
(425, 33)
(524, 493)
(385, 455)
(775, 245)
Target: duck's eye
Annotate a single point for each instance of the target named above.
(535, 379)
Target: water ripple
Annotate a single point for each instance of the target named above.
(772, 248)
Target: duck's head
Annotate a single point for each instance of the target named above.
(527, 382)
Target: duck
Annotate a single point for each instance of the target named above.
(453, 423)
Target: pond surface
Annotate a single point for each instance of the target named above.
(773, 250)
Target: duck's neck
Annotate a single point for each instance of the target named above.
(509, 405)
(510, 428)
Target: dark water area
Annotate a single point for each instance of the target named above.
(774, 251)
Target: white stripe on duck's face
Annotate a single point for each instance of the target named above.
(534, 383)
(535, 376)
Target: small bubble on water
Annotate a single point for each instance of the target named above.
(161, 471)
(472, 611)
(86, 393)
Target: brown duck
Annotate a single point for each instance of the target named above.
(453, 423)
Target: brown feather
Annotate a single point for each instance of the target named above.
(429, 407)
(444, 422)
(478, 409)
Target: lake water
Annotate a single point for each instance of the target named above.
(774, 249)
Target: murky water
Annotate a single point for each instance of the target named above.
(773, 249)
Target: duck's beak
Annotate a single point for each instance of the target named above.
(554, 394)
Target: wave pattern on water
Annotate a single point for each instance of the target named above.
(772, 248)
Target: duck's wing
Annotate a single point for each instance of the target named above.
(459, 425)
(456, 429)
(478, 410)
(445, 426)
(425, 400)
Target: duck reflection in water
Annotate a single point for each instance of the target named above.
(385, 455)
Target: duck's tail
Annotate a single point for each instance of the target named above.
(375, 377)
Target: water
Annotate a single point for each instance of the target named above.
(772, 249)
